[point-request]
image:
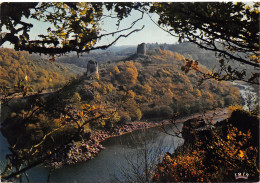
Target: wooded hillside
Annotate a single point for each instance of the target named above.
(154, 86)
(32, 70)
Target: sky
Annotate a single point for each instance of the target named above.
(150, 34)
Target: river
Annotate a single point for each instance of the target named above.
(250, 97)
(113, 161)
(122, 156)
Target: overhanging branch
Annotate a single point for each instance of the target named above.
(42, 46)
(224, 52)
(106, 46)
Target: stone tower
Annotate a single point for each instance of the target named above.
(92, 69)
(141, 49)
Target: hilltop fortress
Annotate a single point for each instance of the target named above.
(141, 49)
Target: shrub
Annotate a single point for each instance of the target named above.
(109, 87)
(138, 114)
(135, 114)
(232, 108)
(147, 88)
(197, 93)
(96, 85)
(131, 94)
(150, 112)
(76, 97)
(221, 103)
(124, 116)
(165, 111)
(228, 100)
(186, 168)
(116, 70)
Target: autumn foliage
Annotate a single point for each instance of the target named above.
(20, 67)
(155, 87)
(186, 168)
(144, 88)
(215, 156)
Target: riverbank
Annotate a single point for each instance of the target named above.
(89, 149)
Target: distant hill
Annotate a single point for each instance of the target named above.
(33, 70)
(187, 49)
(205, 57)
(151, 86)
(112, 54)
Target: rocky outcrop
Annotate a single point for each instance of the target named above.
(88, 149)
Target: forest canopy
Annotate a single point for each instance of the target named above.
(19, 67)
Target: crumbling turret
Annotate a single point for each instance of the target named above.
(92, 69)
(141, 49)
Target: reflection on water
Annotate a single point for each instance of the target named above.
(3, 151)
(115, 160)
(112, 162)
(3, 148)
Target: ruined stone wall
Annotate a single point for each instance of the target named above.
(141, 49)
(92, 69)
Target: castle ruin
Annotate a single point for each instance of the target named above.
(141, 49)
(92, 69)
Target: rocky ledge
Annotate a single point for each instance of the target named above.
(88, 149)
